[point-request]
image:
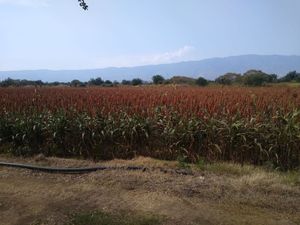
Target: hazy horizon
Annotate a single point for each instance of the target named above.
(145, 65)
(208, 68)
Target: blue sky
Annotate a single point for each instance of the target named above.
(58, 34)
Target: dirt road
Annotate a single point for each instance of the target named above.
(206, 197)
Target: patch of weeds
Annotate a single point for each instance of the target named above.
(252, 172)
(269, 166)
(201, 164)
(230, 169)
(182, 162)
(291, 177)
(101, 218)
(5, 149)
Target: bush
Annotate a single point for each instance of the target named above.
(291, 76)
(255, 78)
(76, 83)
(17, 83)
(126, 82)
(97, 82)
(158, 79)
(136, 81)
(201, 81)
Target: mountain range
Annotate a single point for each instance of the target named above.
(208, 68)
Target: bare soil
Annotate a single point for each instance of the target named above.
(205, 197)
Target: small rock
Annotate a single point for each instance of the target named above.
(201, 178)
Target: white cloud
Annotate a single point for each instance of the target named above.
(33, 3)
(181, 54)
(168, 57)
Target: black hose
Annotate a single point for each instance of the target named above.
(68, 170)
(91, 169)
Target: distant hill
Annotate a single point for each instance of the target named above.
(208, 68)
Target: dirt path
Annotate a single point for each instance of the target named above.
(205, 197)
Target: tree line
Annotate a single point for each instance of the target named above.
(249, 78)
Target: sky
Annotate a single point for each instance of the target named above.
(58, 34)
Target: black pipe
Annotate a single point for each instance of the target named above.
(91, 169)
(68, 170)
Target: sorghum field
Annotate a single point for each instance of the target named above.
(260, 126)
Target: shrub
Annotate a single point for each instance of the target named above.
(136, 81)
(201, 81)
(291, 76)
(98, 81)
(158, 79)
(255, 78)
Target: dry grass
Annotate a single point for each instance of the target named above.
(101, 218)
(219, 193)
(255, 176)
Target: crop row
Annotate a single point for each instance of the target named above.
(245, 125)
(187, 101)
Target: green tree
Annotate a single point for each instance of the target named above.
(255, 78)
(126, 82)
(97, 82)
(291, 76)
(75, 83)
(136, 81)
(7, 82)
(158, 79)
(201, 81)
(38, 83)
(108, 83)
(272, 78)
(115, 83)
